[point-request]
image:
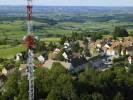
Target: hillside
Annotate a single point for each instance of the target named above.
(49, 23)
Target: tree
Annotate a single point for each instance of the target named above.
(130, 68)
(118, 96)
(66, 85)
(62, 89)
(95, 36)
(120, 32)
(42, 82)
(85, 96)
(63, 40)
(51, 46)
(86, 81)
(97, 96)
(74, 36)
(54, 84)
(57, 69)
(76, 47)
(11, 89)
(40, 46)
(131, 33)
(55, 94)
(23, 89)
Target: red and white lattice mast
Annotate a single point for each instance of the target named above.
(30, 43)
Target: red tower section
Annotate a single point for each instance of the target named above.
(29, 38)
(30, 41)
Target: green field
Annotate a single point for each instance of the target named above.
(12, 30)
(64, 20)
(7, 51)
(51, 40)
(17, 29)
(10, 52)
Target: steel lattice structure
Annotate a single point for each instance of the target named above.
(29, 40)
(31, 74)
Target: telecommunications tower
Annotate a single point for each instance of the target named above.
(30, 43)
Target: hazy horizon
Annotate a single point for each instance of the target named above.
(107, 3)
(68, 6)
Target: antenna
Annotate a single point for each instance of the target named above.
(30, 43)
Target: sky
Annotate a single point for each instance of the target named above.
(71, 2)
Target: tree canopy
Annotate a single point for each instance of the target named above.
(58, 84)
(120, 32)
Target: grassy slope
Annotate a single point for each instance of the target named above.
(7, 51)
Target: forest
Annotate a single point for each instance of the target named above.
(59, 84)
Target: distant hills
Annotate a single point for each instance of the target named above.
(66, 9)
(55, 21)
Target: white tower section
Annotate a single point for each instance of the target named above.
(30, 43)
(29, 16)
(30, 66)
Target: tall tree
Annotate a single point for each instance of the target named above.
(118, 96)
(120, 32)
(11, 89)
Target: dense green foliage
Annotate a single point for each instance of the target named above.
(58, 84)
(120, 32)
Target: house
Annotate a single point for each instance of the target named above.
(129, 50)
(66, 45)
(113, 51)
(93, 49)
(130, 59)
(65, 56)
(107, 46)
(23, 69)
(53, 55)
(41, 59)
(112, 48)
(96, 47)
(18, 56)
(8, 69)
(48, 64)
(78, 62)
(89, 39)
(100, 43)
(81, 44)
(56, 51)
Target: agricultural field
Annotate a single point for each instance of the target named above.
(47, 40)
(12, 29)
(49, 25)
(47, 22)
(7, 51)
(17, 29)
